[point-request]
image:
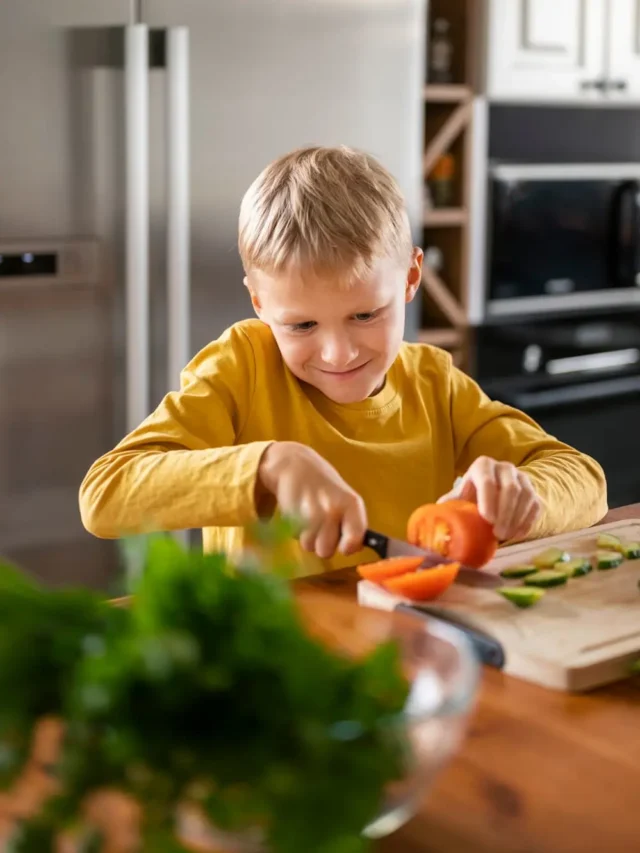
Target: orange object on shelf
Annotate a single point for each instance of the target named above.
(444, 168)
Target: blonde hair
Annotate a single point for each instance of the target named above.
(334, 210)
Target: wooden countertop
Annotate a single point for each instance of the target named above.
(539, 772)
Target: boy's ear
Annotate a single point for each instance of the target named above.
(254, 297)
(414, 276)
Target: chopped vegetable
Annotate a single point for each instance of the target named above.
(521, 596)
(518, 571)
(609, 543)
(575, 568)
(546, 578)
(608, 559)
(454, 529)
(424, 585)
(389, 568)
(550, 557)
(631, 550)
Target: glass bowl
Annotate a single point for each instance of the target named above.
(443, 671)
(436, 658)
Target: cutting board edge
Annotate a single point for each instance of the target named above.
(568, 678)
(546, 673)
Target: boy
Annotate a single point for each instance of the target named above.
(319, 408)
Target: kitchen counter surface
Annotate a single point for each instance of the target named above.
(539, 771)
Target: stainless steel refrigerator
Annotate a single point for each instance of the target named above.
(129, 132)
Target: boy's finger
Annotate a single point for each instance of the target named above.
(509, 500)
(310, 534)
(463, 489)
(484, 481)
(526, 522)
(467, 491)
(327, 538)
(354, 524)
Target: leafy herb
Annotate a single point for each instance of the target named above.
(206, 690)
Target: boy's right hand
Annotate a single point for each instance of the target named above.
(307, 486)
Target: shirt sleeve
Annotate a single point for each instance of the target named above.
(181, 468)
(570, 484)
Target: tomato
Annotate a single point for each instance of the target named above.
(423, 585)
(454, 529)
(389, 568)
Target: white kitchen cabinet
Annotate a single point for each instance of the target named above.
(558, 51)
(622, 70)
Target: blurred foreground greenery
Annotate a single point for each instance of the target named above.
(206, 690)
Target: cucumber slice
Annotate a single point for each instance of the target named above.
(575, 568)
(518, 571)
(607, 542)
(631, 550)
(550, 557)
(520, 596)
(608, 559)
(549, 577)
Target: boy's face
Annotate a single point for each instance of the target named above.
(342, 340)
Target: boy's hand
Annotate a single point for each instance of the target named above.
(504, 495)
(306, 485)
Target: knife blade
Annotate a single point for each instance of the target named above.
(387, 547)
(489, 650)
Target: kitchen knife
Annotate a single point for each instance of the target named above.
(387, 546)
(489, 650)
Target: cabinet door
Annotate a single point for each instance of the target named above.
(545, 50)
(623, 73)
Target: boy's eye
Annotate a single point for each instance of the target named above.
(364, 316)
(302, 327)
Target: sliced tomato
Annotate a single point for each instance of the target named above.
(454, 529)
(389, 568)
(423, 585)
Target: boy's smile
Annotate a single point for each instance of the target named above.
(340, 338)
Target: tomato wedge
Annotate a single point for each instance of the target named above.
(454, 529)
(389, 568)
(423, 585)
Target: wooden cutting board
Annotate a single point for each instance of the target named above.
(577, 637)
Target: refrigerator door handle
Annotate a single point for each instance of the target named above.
(178, 203)
(137, 222)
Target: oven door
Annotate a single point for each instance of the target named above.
(600, 418)
(563, 237)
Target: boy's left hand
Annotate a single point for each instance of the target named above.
(504, 495)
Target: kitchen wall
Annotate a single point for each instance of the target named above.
(564, 134)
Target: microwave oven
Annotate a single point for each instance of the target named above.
(563, 238)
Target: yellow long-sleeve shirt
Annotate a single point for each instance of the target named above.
(193, 462)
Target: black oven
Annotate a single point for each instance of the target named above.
(579, 378)
(562, 237)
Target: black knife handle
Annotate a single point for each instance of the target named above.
(489, 651)
(378, 542)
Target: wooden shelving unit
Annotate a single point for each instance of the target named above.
(449, 111)
(449, 94)
(445, 217)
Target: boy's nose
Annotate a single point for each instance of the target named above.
(338, 352)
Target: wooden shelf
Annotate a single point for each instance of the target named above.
(449, 113)
(444, 338)
(448, 132)
(449, 94)
(445, 217)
